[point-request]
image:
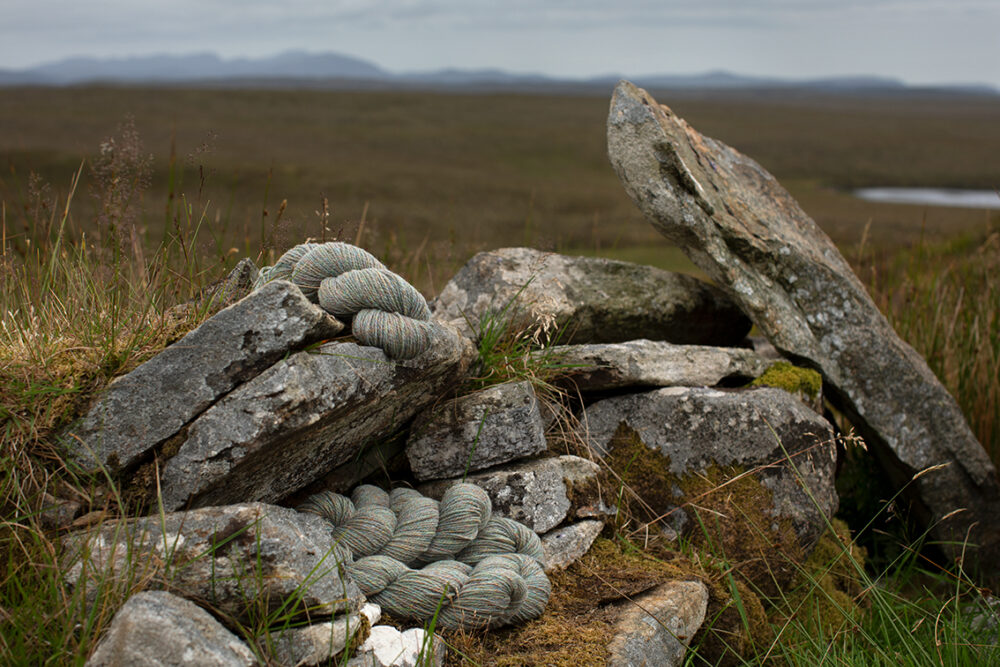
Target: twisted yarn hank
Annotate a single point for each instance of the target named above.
(478, 570)
(347, 281)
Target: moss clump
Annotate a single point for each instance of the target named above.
(793, 379)
(578, 623)
(723, 510)
(826, 595)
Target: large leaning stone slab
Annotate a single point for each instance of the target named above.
(697, 429)
(657, 628)
(738, 224)
(156, 400)
(594, 300)
(647, 363)
(233, 558)
(305, 416)
(539, 493)
(159, 629)
(499, 424)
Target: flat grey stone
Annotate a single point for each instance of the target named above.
(694, 428)
(492, 426)
(538, 493)
(230, 557)
(303, 417)
(315, 644)
(156, 628)
(564, 546)
(738, 224)
(593, 300)
(658, 627)
(156, 400)
(646, 363)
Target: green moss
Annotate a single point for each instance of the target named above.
(578, 623)
(825, 596)
(722, 510)
(793, 379)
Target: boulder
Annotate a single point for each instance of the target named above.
(755, 468)
(539, 493)
(155, 401)
(738, 224)
(157, 628)
(657, 627)
(647, 363)
(563, 546)
(496, 425)
(235, 558)
(592, 300)
(303, 417)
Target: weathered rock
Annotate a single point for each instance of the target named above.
(563, 546)
(539, 493)
(658, 627)
(58, 513)
(316, 644)
(738, 224)
(388, 647)
(156, 628)
(377, 456)
(155, 401)
(496, 425)
(232, 557)
(646, 363)
(372, 612)
(695, 430)
(303, 417)
(595, 300)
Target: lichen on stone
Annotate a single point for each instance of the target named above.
(793, 379)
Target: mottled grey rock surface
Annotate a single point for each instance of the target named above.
(646, 363)
(315, 644)
(658, 627)
(695, 428)
(230, 557)
(492, 426)
(305, 416)
(539, 493)
(563, 546)
(595, 300)
(156, 628)
(156, 400)
(737, 223)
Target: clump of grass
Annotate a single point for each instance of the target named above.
(76, 309)
(944, 300)
(515, 342)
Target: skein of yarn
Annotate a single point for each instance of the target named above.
(349, 282)
(476, 570)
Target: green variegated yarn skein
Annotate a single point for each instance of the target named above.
(477, 570)
(349, 282)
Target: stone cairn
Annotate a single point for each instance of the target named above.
(268, 406)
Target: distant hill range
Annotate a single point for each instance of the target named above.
(332, 70)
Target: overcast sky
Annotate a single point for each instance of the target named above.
(919, 41)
